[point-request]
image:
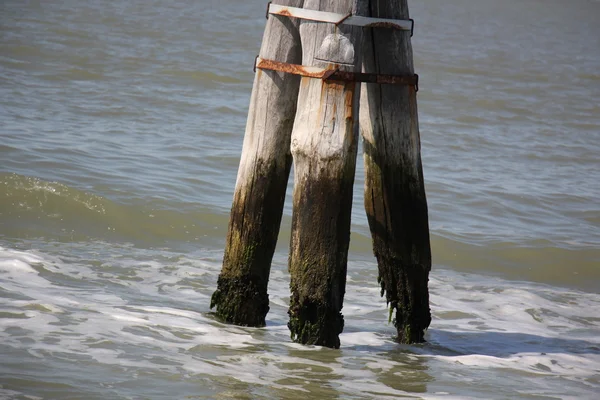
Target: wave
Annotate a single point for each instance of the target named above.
(32, 208)
(533, 260)
(146, 314)
(541, 261)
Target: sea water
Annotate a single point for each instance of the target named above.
(121, 125)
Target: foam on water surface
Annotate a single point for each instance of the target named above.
(489, 337)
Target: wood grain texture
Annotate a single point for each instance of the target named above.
(241, 296)
(324, 145)
(395, 198)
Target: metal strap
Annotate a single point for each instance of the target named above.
(336, 75)
(341, 19)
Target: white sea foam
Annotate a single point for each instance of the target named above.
(483, 327)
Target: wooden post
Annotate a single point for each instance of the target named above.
(324, 143)
(241, 296)
(394, 189)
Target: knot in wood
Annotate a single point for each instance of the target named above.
(336, 48)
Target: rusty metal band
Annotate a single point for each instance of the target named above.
(341, 19)
(336, 75)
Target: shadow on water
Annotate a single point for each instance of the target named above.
(409, 373)
(292, 371)
(503, 344)
(310, 374)
(377, 366)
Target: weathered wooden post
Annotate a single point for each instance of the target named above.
(394, 188)
(241, 296)
(324, 145)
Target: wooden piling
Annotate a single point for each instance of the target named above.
(324, 145)
(394, 188)
(241, 296)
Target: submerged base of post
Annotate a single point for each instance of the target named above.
(411, 311)
(315, 323)
(240, 301)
